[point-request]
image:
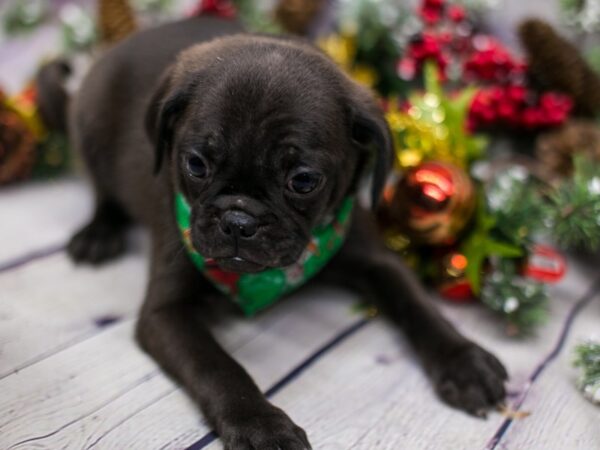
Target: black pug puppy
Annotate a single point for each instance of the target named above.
(265, 139)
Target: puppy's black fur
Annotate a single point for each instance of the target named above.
(237, 124)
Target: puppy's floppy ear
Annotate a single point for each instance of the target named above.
(167, 105)
(370, 131)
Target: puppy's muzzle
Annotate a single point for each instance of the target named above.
(239, 224)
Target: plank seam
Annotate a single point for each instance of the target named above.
(20, 261)
(83, 337)
(210, 437)
(591, 293)
(122, 421)
(134, 385)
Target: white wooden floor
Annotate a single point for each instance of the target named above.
(71, 376)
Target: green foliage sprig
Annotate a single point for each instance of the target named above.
(587, 358)
(522, 302)
(574, 208)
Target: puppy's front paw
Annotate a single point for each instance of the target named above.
(471, 380)
(266, 429)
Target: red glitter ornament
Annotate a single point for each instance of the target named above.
(432, 203)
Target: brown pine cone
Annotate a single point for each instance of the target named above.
(555, 149)
(116, 20)
(296, 16)
(556, 64)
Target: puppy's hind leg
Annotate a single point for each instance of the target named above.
(103, 238)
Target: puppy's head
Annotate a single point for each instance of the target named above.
(265, 138)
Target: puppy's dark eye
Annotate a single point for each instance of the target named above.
(304, 182)
(196, 166)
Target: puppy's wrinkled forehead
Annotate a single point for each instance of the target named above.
(267, 101)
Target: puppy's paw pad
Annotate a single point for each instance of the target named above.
(472, 380)
(272, 430)
(97, 243)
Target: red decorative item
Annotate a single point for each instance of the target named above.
(454, 285)
(456, 13)
(229, 279)
(491, 61)
(432, 203)
(545, 264)
(431, 11)
(504, 98)
(514, 106)
(458, 291)
(221, 8)
(426, 47)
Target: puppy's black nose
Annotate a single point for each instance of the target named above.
(239, 224)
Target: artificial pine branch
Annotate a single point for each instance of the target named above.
(574, 213)
(517, 205)
(587, 357)
(520, 301)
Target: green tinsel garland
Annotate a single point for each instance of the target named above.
(587, 357)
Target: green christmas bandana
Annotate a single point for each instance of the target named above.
(255, 291)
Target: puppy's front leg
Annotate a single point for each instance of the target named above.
(169, 329)
(465, 375)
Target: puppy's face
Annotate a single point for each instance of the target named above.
(266, 139)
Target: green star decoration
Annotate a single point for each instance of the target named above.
(481, 244)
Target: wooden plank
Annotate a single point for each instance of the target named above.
(172, 422)
(87, 392)
(36, 215)
(560, 417)
(50, 304)
(371, 393)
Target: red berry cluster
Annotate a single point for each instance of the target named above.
(505, 99)
(220, 8)
(431, 45)
(514, 106)
(426, 47)
(492, 62)
(434, 11)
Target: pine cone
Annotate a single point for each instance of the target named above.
(296, 16)
(557, 65)
(17, 146)
(116, 20)
(555, 149)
